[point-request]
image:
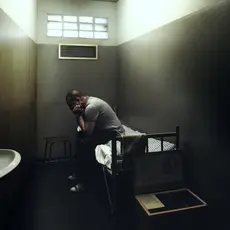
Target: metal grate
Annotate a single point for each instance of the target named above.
(68, 51)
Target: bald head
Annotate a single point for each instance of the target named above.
(73, 96)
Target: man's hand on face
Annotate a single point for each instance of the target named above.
(78, 110)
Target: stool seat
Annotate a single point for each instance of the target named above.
(57, 139)
(50, 141)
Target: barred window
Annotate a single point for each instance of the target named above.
(77, 26)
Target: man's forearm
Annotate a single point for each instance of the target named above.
(81, 123)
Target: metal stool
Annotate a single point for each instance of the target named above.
(51, 141)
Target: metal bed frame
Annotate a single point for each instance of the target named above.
(114, 172)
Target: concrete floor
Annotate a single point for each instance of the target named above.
(49, 205)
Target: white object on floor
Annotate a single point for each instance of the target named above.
(9, 160)
(150, 201)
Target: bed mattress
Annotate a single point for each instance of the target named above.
(104, 152)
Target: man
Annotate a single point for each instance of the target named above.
(97, 120)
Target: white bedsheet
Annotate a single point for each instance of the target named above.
(104, 153)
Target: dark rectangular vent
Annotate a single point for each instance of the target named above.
(68, 51)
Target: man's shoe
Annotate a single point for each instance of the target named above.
(72, 177)
(77, 188)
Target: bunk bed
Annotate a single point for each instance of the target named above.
(121, 155)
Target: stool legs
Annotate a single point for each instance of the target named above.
(49, 146)
(65, 149)
(70, 150)
(45, 155)
(50, 152)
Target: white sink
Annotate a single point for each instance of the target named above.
(9, 160)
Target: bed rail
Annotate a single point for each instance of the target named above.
(155, 135)
(114, 166)
(160, 136)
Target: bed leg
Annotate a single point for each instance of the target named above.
(114, 203)
(114, 173)
(107, 189)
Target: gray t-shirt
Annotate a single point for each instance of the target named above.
(102, 114)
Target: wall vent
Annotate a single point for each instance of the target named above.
(78, 51)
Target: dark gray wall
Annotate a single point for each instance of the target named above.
(17, 106)
(55, 77)
(179, 75)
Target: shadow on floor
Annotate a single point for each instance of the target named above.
(48, 204)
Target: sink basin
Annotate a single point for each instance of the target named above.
(9, 160)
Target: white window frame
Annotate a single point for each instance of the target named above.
(78, 27)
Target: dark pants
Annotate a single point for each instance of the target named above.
(86, 162)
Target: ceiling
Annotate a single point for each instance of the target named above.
(106, 0)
